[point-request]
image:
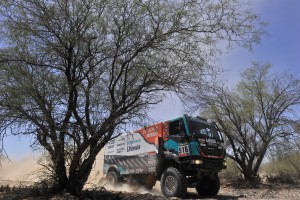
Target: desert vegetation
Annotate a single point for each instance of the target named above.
(75, 74)
(260, 115)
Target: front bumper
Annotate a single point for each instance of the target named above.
(204, 164)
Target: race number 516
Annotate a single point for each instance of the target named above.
(183, 150)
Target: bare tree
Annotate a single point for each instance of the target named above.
(256, 115)
(73, 72)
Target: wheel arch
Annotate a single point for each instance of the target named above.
(115, 169)
(164, 164)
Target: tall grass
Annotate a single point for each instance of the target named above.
(285, 169)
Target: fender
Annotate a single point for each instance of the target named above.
(169, 155)
(113, 168)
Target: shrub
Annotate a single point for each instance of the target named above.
(232, 172)
(285, 169)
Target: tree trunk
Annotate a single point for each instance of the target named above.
(61, 178)
(249, 173)
(75, 185)
(77, 178)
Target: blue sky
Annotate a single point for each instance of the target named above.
(281, 48)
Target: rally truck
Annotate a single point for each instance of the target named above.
(180, 153)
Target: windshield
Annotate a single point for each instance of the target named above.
(203, 130)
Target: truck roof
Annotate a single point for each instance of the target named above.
(198, 118)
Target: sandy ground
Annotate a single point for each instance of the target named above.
(23, 172)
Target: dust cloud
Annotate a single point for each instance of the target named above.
(22, 172)
(25, 172)
(96, 176)
(97, 180)
(134, 188)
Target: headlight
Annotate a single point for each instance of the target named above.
(197, 162)
(224, 164)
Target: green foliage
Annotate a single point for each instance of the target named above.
(284, 165)
(282, 170)
(258, 114)
(74, 72)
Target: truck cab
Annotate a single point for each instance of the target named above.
(180, 153)
(196, 140)
(193, 146)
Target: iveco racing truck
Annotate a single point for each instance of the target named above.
(183, 152)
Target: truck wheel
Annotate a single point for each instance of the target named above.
(209, 186)
(173, 183)
(112, 178)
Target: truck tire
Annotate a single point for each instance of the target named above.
(112, 178)
(173, 183)
(209, 186)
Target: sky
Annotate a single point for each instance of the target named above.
(281, 48)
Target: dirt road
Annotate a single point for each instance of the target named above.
(262, 191)
(23, 172)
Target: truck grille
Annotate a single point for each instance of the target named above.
(211, 151)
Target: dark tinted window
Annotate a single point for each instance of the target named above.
(203, 130)
(176, 127)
